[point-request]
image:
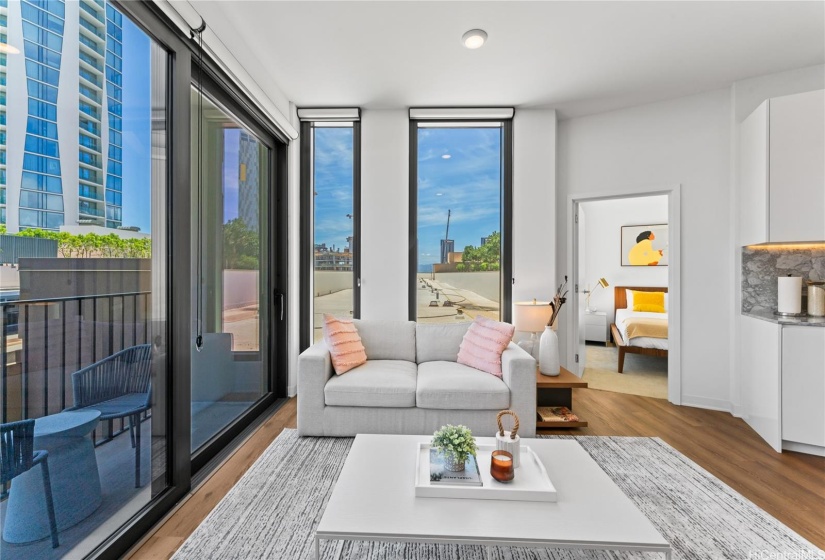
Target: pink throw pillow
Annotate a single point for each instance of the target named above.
(344, 344)
(483, 344)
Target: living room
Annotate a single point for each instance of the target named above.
(292, 166)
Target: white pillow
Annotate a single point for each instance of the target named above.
(629, 297)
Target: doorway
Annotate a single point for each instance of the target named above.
(626, 245)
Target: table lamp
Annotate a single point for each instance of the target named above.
(532, 317)
(603, 283)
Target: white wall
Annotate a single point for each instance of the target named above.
(385, 214)
(684, 141)
(602, 255)
(534, 204)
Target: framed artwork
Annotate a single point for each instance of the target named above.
(645, 245)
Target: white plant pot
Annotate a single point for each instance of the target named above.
(549, 353)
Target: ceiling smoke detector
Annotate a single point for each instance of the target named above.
(474, 38)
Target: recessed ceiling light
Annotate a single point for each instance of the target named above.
(6, 48)
(474, 38)
(446, 156)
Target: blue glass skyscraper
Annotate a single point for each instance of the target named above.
(65, 105)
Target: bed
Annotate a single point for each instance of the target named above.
(648, 346)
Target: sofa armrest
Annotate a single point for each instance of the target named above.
(519, 373)
(314, 370)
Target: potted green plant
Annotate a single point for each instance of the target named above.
(455, 443)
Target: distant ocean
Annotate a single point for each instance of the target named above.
(425, 268)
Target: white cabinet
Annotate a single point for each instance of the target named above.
(797, 167)
(781, 165)
(595, 326)
(760, 366)
(803, 386)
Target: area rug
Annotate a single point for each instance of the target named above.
(273, 510)
(645, 376)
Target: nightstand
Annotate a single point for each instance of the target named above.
(595, 326)
(558, 391)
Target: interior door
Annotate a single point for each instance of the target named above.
(581, 279)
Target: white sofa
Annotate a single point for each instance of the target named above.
(411, 384)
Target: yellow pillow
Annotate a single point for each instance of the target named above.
(649, 301)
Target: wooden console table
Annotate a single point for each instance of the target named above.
(557, 391)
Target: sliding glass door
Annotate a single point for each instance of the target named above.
(232, 172)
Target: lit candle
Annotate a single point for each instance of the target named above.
(501, 466)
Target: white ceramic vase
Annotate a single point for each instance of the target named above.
(549, 353)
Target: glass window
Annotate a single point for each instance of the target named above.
(32, 199)
(115, 137)
(56, 7)
(113, 197)
(114, 76)
(34, 181)
(114, 151)
(115, 168)
(38, 90)
(41, 164)
(90, 110)
(41, 54)
(41, 127)
(459, 216)
(333, 205)
(42, 146)
(42, 73)
(114, 183)
(88, 142)
(42, 110)
(86, 157)
(88, 175)
(89, 76)
(90, 93)
(42, 37)
(90, 60)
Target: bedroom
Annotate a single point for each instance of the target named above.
(613, 359)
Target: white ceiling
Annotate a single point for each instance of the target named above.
(577, 57)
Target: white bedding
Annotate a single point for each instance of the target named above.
(642, 341)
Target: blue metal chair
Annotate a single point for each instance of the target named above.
(119, 386)
(17, 455)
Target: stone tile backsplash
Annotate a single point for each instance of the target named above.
(761, 266)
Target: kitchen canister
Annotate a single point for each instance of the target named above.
(816, 299)
(789, 295)
(509, 441)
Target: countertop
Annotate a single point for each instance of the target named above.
(767, 315)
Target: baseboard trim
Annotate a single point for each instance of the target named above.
(292, 390)
(706, 403)
(803, 448)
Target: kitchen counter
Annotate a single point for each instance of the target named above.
(766, 315)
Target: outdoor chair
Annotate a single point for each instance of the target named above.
(119, 386)
(17, 455)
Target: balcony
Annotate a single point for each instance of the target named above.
(43, 342)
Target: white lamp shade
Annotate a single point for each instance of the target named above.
(532, 316)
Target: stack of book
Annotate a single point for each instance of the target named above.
(439, 474)
(556, 414)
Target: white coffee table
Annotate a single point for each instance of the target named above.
(374, 500)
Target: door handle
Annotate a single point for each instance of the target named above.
(279, 297)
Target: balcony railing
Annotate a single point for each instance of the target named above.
(44, 341)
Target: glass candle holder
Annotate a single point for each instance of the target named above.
(501, 466)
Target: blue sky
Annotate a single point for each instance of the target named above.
(468, 183)
(137, 117)
(333, 185)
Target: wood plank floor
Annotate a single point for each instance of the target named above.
(789, 486)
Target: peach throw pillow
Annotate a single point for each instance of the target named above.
(344, 344)
(483, 344)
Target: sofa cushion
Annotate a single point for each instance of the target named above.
(377, 383)
(387, 340)
(452, 386)
(483, 344)
(438, 342)
(345, 347)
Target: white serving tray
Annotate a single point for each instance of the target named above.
(531, 483)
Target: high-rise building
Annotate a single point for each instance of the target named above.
(248, 186)
(447, 247)
(63, 100)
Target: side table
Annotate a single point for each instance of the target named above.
(557, 391)
(74, 477)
